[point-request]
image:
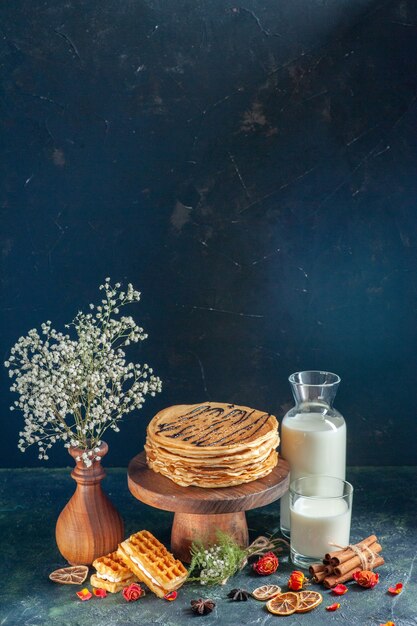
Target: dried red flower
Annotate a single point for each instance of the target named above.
(340, 589)
(133, 592)
(366, 578)
(84, 594)
(172, 595)
(333, 607)
(388, 624)
(100, 593)
(266, 564)
(296, 580)
(397, 589)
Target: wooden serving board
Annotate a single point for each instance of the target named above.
(200, 512)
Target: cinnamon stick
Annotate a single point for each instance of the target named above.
(340, 556)
(316, 567)
(332, 581)
(319, 577)
(355, 561)
(329, 569)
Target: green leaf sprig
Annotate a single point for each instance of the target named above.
(216, 563)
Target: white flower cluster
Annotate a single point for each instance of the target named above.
(213, 564)
(75, 389)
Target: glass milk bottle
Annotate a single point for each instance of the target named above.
(313, 433)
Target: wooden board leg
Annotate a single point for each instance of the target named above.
(188, 527)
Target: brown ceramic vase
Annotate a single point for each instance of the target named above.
(89, 526)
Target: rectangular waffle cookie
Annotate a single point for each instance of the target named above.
(112, 574)
(151, 562)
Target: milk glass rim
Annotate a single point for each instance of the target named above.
(340, 480)
(295, 382)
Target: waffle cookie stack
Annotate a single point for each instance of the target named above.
(151, 563)
(212, 444)
(111, 573)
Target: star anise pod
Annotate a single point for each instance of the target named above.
(238, 595)
(202, 607)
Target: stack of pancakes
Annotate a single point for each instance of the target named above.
(212, 444)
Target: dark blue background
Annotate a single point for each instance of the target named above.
(251, 168)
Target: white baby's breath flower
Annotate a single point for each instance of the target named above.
(74, 389)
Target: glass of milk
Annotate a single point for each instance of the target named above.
(320, 513)
(313, 432)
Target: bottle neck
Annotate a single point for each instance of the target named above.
(313, 407)
(314, 389)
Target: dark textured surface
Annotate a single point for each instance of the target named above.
(384, 502)
(250, 168)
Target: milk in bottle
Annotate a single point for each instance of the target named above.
(313, 433)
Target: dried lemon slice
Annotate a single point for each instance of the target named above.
(74, 575)
(283, 603)
(266, 592)
(308, 600)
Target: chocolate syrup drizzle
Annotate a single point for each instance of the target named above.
(186, 428)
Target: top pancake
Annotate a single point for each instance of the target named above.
(212, 426)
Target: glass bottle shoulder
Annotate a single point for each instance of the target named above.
(313, 420)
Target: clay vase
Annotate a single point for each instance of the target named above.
(89, 526)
